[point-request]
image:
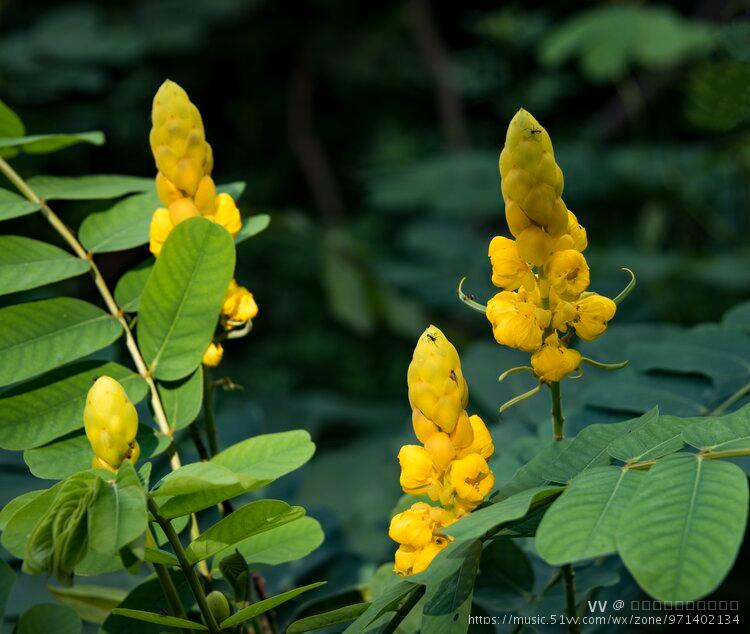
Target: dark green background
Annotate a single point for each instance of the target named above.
(370, 132)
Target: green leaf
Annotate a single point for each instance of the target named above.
(10, 123)
(15, 504)
(88, 187)
(267, 604)
(487, 520)
(327, 619)
(719, 433)
(289, 542)
(235, 189)
(130, 286)
(532, 474)
(50, 407)
(183, 295)
(269, 456)
(682, 532)
(197, 486)
(39, 336)
(657, 438)
(91, 603)
(589, 448)
(507, 578)
(582, 522)
(66, 456)
(386, 601)
(12, 205)
(118, 514)
(27, 263)
(7, 580)
(447, 604)
(123, 226)
(235, 571)
(159, 619)
(182, 399)
(47, 143)
(253, 518)
(38, 618)
(158, 556)
(19, 525)
(252, 227)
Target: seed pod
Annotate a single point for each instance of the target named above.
(219, 606)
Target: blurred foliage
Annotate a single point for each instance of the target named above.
(376, 157)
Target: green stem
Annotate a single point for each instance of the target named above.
(209, 420)
(404, 610)
(569, 578)
(187, 567)
(558, 420)
(719, 409)
(166, 582)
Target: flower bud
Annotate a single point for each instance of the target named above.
(111, 422)
(213, 354)
(553, 361)
(219, 606)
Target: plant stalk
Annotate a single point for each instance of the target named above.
(209, 419)
(404, 610)
(569, 579)
(187, 567)
(558, 420)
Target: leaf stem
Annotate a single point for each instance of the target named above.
(558, 420)
(722, 407)
(209, 419)
(569, 579)
(187, 567)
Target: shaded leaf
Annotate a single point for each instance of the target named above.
(130, 286)
(37, 619)
(123, 226)
(47, 143)
(326, 619)
(159, 619)
(88, 187)
(182, 399)
(266, 604)
(91, 603)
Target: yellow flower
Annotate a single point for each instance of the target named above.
(239, 306)
(441, 449)
(471, 479)
(593, 312)
(482, 443)
(554, 361)
(213, 354)
(517, 319)
(509, 271)
(416, 530)
(575, 236)
(535, 245)
(532, 182)
(568, 274)
(437, 387)
(159, 229)
(111, 422)
(563, 313)
(418, 473)
(227, 215)
(182, 209)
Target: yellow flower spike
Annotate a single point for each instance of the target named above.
(471, 479)
(111, 422)
(428, 553)
(441, 449)
(412, 527)
(437, 387)
(417, 531)
(568, 274)
(463, 435)
(553, 361)
(98, 463)
(577, 233)
(509, 271)
(592, 314)
(531, 179)
(166, 190)
(205, 196)
(563, 313)
(482, 443)
(404, 560)
(213, 355)
(517, 319)
(239, 306)
(418, 472)
(159, 229)
(423, 426)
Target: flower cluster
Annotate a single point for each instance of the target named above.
(543, 272)
(450, 465)
(184, 161)
(111, 424)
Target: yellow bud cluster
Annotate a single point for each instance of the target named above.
(111, 424)
(184, 161)
(543, 271)
(450, 465)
